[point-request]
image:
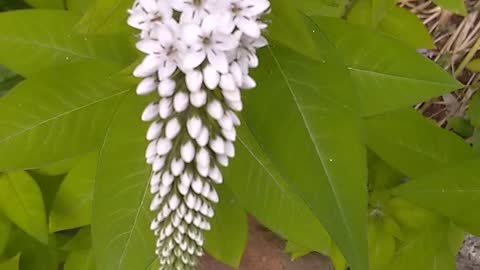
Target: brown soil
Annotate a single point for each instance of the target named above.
(265, 252)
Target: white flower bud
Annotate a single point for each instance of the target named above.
(146, 86)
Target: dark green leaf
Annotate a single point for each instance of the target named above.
(8, 80)
(412, 144)
(373, 62)
(473, 112)
(259, 188)
(121, 215)
(5, 227)
(49, 186)
(82, 240)
(461, 126)
(453, 191)
(329, 8)
(63, 112)
(228, 237)
(21, 201)
(73, 203)
(297, 113)
(474, 65)
(44, 37)
(456, 6)
(56, 4)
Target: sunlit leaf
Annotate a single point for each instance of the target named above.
(456, 6)
(80, 260)
(63, 112)
(297, 112)
(12, 264)
(105, 16)
(228, 237)
(21, 201)
(374, 63)
(38, 39)
(121, 216)
(73, 203)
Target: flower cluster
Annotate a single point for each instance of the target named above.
(198, 56)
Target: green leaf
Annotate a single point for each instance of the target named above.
(288, 28)
(80, 6)
(57, 4)
(73, 203)
(105, 16)
(58, 167)
(40, 116)
(296, 251)
(461, 126)
(259, 188)
(412, 144)
(392, 20)
(41, 257)
(121, 215)
(80, 260)
(12, 264)
(49, 186)
(294, 104)
(5, 227)
(44, 37)
(452, 191)
(381, 245)
(456, 6)
(228, 237)
(474, 65)
(473, 112)
(329, 8)
(21, 201)
(82, 240)
(8, 80)
(373, 62)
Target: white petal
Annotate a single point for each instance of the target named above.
(213, 196)
(215, 109)
(232, 95)
(151, 150)
(166, 69)
(167, 179)
(248, 26)
(172, 128)
(146, 86)
(203, 157)
(235, 105)
(163, 146)
(150, 112)
(209, 23)
(260, 42)
(165, 108)
(217, 145)
(230, 134)
(174, 202)
(236, 72)
(192, 60)
(255, 7)
(154, 130)
(190, 34)
(187, 152)
(229, 149)
(203, 137)
(218, 60)
(166, 88)
(211, 77)
(194, 80)
(248, 82)
(158, 164)
(225, 122)
(227, 82)
(177, 167)
(137, 20)
(148, 46)
(222, 160)
(155, 180)
(235, 119)
(199, 98)
(194, 126)
(148, 66)
(197, 185)
(180, 102)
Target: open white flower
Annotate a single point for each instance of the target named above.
(147, 13)
(245, 14)
(209, 40)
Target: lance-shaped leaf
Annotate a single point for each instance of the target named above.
(413, 144)
(383, 82)
(457, 6)
(264, 193)
(105, 16)
(228, 237)
(72, 206)
(121, 216)
(63, 112)
(452, 191)
(21, 201)
(5, 227)
(297, 113)
(11, 264)
(39, 39)
(54, 4)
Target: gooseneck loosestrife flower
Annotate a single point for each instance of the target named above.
(198, 56)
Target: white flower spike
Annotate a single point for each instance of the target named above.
(198, 54)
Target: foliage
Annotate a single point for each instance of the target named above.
(330, 155)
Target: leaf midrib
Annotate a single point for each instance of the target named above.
(323, 162)
(66, 113)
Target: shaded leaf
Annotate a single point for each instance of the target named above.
(461, 126)
(49, 186)
(58, 167)
(73, 203)
(39, 116)
(473, 112)
(11, 264)
(21, 201)
(452, 191)
(80, 260)
(264, 193)
(456, 6)
(228, 237)
(373, 62)
(56, 4)
(44, 37)
(412, 144)
(121, 215)
(5, 227)
(296, 115)
(8, 80)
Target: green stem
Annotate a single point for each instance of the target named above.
(467, 58)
